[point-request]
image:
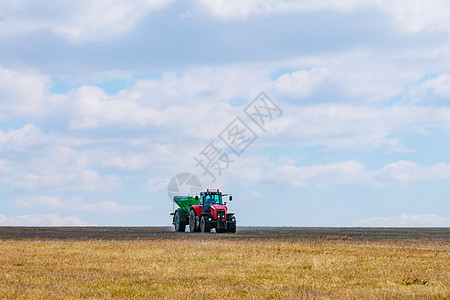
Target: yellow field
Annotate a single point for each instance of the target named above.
(226, 268)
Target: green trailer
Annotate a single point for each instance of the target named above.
(181, 215)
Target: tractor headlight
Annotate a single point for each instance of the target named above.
(209, 219)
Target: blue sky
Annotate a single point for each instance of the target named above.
(103, 102)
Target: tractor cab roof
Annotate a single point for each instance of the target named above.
(211, 192)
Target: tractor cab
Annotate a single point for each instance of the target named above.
(209, 198)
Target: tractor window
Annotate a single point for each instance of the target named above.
(213, 199)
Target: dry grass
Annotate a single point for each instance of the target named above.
(226, 268)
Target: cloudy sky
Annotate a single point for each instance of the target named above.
(103, 102)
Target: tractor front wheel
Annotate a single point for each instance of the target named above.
(231, 227)
(204, 226)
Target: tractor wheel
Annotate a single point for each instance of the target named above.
(192, 222)
(204, 227)
(231, 228)
(180, 226)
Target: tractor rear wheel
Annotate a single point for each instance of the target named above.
(180, 226)
(192, 222)
(204, 226)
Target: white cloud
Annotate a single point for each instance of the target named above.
(372, 76)
(94, 108)
(77, 21)
(407, 171)
(320, 175)
(157, 184)
(404, 220)
(41, 220)
(203, 84)
(173, 102)
(21, 92)
(255, 195)
(21, 139)
(300, 83)
(56, 178)
(69, 159)
(4, 166)
(110, 206)
(343, 126)
(169, 108)
(323, 175)
(131, 162)
(74, 204)
(413, 16)
(227, 9)
(32, 160)
(52, 202)
(434, 87)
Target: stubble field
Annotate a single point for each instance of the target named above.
(256, 263)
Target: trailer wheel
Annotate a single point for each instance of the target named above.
(192, 222)
(204, 227)
(180, 226)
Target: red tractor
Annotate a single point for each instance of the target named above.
(210, 213)
(203, 213)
